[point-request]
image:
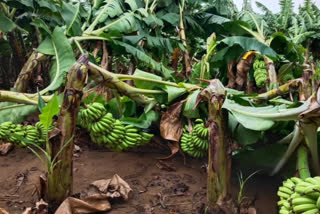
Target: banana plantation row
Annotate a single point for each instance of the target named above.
(201, 75)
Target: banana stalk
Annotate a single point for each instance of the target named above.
(60, 180)
(309, 129)
(96, 20)
(287, 139)
(112, 81)
(302, 164)
(21, 98)
(281, 90)
(295, 141)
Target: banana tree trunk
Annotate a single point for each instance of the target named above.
(60, 180)
(18, 51)
(26, 72)
(309, 83)
(219, 163)
(183, 37)
(271, 72)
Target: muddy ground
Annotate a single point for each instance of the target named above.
(170, 187)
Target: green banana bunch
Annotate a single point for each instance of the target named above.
(297, 71)
(260, 72)
(110, 132)
(9, 132)
(195, 143)
(287, 77)
(299, 196)
(91, 114)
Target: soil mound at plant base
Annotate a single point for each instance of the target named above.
(155, 189)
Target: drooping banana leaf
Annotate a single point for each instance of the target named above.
(142, 56)
(63, 57)
(17, 113)
(262, 118)
(249, 44)
(71, 15)
(188, 110)
(6, 25)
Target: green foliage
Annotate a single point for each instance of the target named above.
(41, 103)
(242, 183)
(71, 16)
(15, 113)
(263, 117)
(6, 25)
(49, 111)
(63, 54)
(189, 109)
(253, 123)
(144, 121)
(144, 84)
(174, 92)
(242, 135)
(286, 11)
(145, 37)
(249, 44)
(46, 47)
(151, 63)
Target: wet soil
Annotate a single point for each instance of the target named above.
(170, 187)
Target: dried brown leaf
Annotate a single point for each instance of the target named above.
(231, 75)
(28, 210)
(170, 125)
(243, 68)
(96, 199)
(115, 187)
(174, 147)
(93, 204)
(105, 56)
(175, 59)
(5, 148)
(97, 49)
(3, 211)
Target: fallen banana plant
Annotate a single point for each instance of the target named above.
(305, 129)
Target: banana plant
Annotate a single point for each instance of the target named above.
(140, 29)
(278, 22)
(306, 118)
(261, 37)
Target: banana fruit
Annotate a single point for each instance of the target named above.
(105, 130)
(195, 144)
(287, 77)
(36, 134)
(260, 72)
(299, 196)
